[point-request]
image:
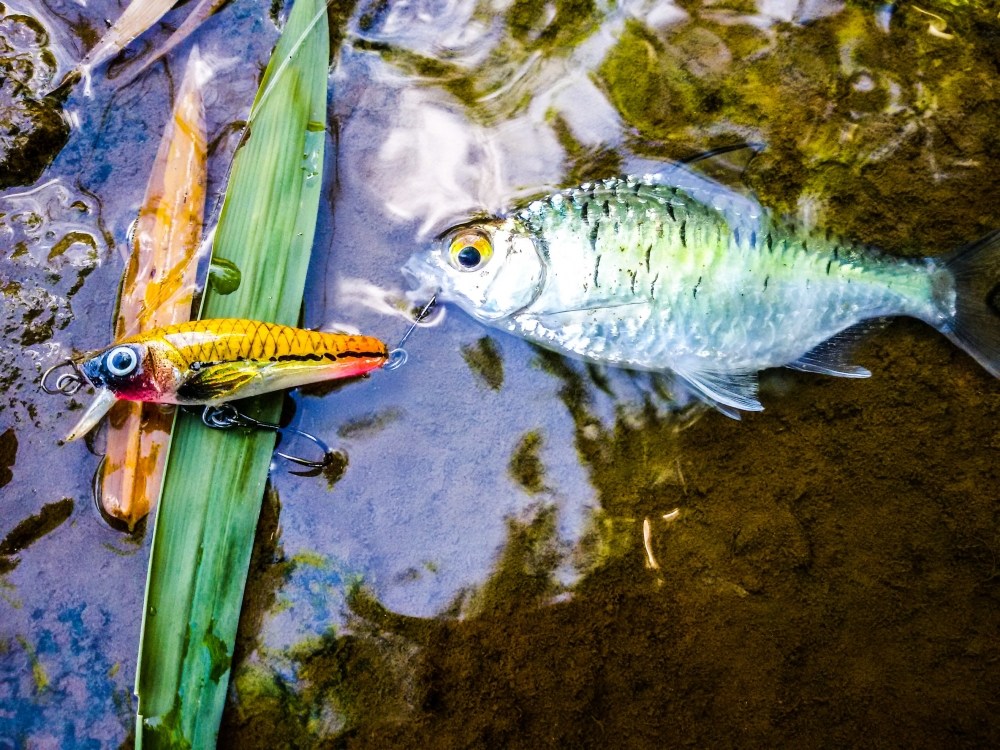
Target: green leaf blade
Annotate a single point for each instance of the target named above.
(207, 515)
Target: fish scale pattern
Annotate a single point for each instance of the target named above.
(659, 277)
(232, 339)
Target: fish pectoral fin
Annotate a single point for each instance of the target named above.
(729, 392)
(832, 357)
(217, 381)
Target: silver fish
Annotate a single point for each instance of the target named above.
(675, 272)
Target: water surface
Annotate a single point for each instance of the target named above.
(523, 551)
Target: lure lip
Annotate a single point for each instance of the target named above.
(100, 406)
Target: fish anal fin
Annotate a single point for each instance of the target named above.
(729, 392)
(217, 381)
(833, 356)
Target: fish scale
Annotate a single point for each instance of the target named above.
(226, 340)
(671, 252)
(674, 272)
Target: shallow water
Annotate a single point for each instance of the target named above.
(523, 551)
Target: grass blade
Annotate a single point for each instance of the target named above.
(215, 481)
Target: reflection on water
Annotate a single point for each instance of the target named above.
(533, 498)
(523, 551)
(53, 241)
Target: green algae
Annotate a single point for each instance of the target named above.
(334, 468)
(584, 163)
(852, 118)
(484, 359)
(369, 683)
(68, 240)
(482, 83)
(542, 25)
(369, 425)
(218, 654)
(8, 455)
(526, 465)
(524, 575)
(31, 529)
(38, 673)
(224, 276)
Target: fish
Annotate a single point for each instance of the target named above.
(673, 272)
(210, 362)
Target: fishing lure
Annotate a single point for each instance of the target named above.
(211, 362)
(675, 272)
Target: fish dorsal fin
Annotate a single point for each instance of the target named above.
(729, 392)
(218, 380)
(833, 356)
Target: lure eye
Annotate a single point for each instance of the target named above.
(121, 361)
(470, 251)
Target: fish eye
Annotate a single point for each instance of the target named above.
(121, 361)
(470, 251)
(469, 256)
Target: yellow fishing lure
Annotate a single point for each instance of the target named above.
(208, 362)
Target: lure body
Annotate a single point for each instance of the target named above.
(687, 276)
(213, 361)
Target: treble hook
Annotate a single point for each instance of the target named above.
(227, 416)
(68, 383)
(398, 356)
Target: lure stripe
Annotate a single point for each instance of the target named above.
(331, 356)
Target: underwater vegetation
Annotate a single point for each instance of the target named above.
(517, 549)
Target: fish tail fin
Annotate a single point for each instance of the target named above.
(975, 324)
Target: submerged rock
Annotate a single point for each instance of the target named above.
(32, 129)
(32, 132)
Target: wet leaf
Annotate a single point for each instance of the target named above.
(137, 18)
(198, 15)
(158, 290)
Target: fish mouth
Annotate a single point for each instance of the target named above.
(417, 268)
(419, 271)
(100, 406)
